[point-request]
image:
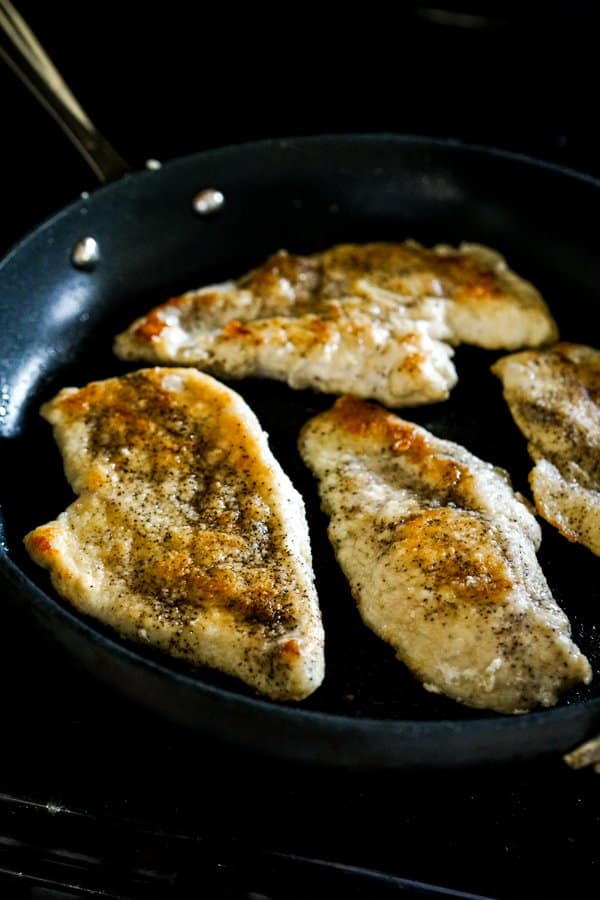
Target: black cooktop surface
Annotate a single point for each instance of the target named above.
(98, 797)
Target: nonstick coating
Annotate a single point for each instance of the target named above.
(56, 329)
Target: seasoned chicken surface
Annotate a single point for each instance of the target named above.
(440, 555)
(374, 320)
(554, 397)
(586, 754)
(186, 534)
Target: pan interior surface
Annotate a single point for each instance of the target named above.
(58, 323)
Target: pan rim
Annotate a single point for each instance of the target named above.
(366, 724)
(283, 142)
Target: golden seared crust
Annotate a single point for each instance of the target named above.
(471, 276)
(186, 532)
(554, 397)
(375, 320)
(440, 555)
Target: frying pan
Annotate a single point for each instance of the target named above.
(57, 322)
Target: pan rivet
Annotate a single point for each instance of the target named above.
(208, 201)
(86, 253)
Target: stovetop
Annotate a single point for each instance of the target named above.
(98, 797)
(104, 797)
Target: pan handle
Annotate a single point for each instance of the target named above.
(24, 54)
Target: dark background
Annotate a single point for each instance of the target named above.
(166, 80)
(100, 796)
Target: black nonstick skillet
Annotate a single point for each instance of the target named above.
(82, 276)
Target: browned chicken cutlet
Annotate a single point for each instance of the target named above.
(376, 320)
(554, 397)
(186, 534)
(440, 555)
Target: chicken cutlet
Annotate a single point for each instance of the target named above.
(375, 320)
(554, 398)
(440, 554)
(186, 533)
(486, 304)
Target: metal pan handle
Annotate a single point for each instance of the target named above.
(24, 54)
